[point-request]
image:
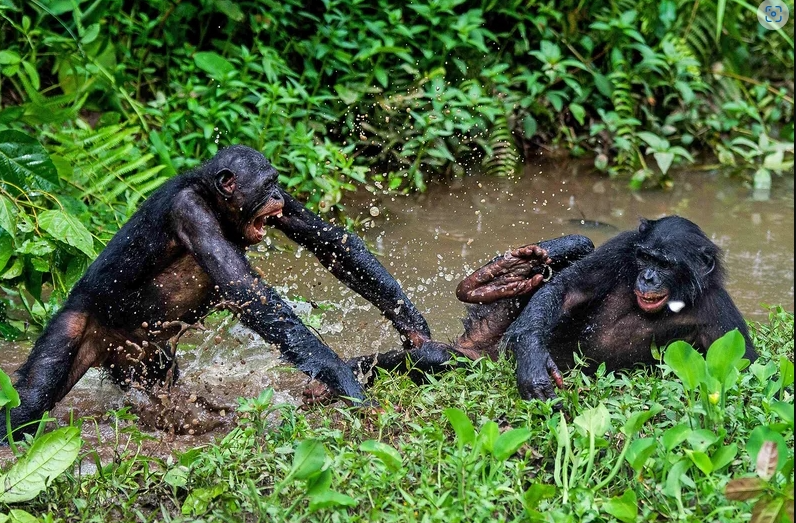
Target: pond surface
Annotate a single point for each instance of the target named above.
(431, 241)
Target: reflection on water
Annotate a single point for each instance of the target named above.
(430, 241)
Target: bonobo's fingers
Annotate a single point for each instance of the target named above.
(417, 338)
(534, 377)
(552, 370)
(317, 393)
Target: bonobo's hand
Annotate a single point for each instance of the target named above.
(536, 375)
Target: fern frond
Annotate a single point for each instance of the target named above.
(501, 158)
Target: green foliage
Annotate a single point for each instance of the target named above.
(628, 448)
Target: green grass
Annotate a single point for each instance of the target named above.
(431, 472)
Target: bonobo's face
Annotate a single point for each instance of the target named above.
(675, 262)
(246, 184)
(654, 275)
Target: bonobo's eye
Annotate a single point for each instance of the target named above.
(225, 182)
(643, 257)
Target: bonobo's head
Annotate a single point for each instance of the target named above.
(245, 186)
(676, 263)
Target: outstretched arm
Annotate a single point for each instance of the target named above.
(345, 255)
(259, 306)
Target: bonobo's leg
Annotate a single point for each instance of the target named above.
(500, 290)
(59, 358)
(522, 270)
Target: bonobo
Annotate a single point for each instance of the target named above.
(660, 283)
(179, 255)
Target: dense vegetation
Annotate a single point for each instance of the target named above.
(627, 448)
(124, 94)
(102, 100)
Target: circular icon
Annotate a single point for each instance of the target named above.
(773, 14)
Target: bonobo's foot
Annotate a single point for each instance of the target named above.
(537, 381)
(318, 393)
(181, 412)
(518, 272)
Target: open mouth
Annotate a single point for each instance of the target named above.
(256, 228)
(650, 301)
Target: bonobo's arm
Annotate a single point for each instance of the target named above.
(261, 309)
(345, 255)
(530, 335)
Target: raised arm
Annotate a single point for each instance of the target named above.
(345, 255)
(260, 307)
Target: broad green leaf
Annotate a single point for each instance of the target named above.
(535, 493)
(213, 64)
(509, 442)
(664, 160)
(639, 451)
(596, 421)
(199, 499)
(675, 435)
(47, 458)
(319, 483)
(637, 419)
(782, 409)
(308, 460)
(388, 455)
(724, 456)
(462, 425)
(8, 394)
(25, 163)
(176, 476)
(701, 460)
(231, 9)
(624, 508)
(68, 229)
(329, 499)
(6, 249)
(17, 515)
(8, 216)
(686, 363)
(675, 477)
(578, 112)
(724, 355)
(490, 432)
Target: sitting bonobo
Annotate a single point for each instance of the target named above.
(661, 283)
(183, 253)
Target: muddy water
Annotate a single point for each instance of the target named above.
(430, 241)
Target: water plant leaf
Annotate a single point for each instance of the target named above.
(724, 456)
(8, 394)
(624, 508)
(8, 215)
(639, 451)
(686, 363)
(595, 421)
(509, 442)
(387, 454)
(462, 426)
(724, 355)
(488, 435)
(329, 499)
(47, 458)
(759, 437)
(308, 459)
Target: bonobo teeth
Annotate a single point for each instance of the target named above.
(676, 305)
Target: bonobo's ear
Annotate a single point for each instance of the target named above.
(225, 183)
(708, 259)
(644, 226)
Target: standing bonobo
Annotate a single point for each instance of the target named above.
(179, 255)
